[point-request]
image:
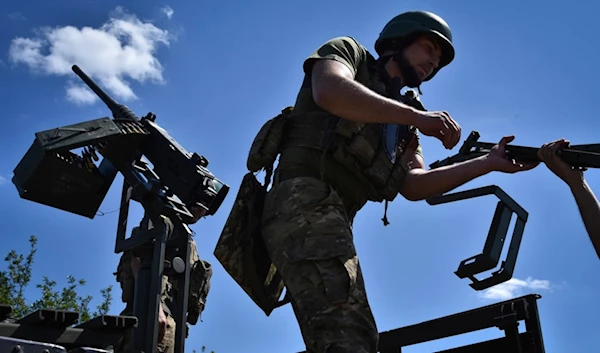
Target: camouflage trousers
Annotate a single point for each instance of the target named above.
(309, 238)
(167, 344)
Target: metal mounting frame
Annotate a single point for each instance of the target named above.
(504, 316)
(56, 327)
(492, 249)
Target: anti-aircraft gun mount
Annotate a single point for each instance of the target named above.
(579, 156)
(52, 174)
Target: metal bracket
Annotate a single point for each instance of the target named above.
(47, 329)
(492, 249)
(504, 315)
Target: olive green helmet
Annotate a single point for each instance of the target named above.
(418, 22)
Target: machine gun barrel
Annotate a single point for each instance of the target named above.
(119, 111)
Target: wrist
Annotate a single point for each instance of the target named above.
(409, 115)
(577, 184)
(486, 164)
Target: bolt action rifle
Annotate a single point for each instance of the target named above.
(53, 175)
(579, 156)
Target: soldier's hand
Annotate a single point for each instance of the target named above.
(548, 154)
(197, 213)
(498, 160)
(162, 323)
(440, 125)
(135, 264)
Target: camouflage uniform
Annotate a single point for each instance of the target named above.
(309, 238)
(328, 169)
(307, 228)
(127, 281)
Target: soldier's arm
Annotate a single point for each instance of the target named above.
(588, 205)
(332, 70)
(421, 183)
(589, 209)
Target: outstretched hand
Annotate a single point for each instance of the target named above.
(548, 154)
(499, 161)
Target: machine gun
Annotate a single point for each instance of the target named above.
(580, 156)
(53, 175)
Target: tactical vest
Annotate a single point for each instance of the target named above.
(371, 152)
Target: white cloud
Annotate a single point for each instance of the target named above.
(2, 180)
(122, 48)
(16, 16)
(168, 11)
(515, 287)
(80, 94)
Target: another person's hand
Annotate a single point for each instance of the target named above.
(547, 153)
(162, 323)
(440, 125)
(498, 160)
(197, 213)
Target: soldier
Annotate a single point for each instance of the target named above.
(347, 142)
(587, 203)
(200, 274)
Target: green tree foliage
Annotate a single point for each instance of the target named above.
(17, 277)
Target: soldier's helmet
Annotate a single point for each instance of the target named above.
(411, 23)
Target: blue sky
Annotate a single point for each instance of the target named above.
(213, 73)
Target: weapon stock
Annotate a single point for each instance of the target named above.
(52, 174)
